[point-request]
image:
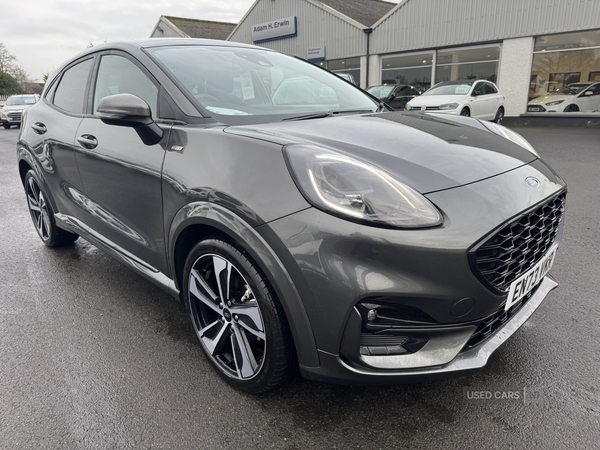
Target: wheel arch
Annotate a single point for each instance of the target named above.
(201, 220)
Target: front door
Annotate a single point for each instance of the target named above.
(121, 175)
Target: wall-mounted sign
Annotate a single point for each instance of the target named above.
(276, 29)
(316, 53)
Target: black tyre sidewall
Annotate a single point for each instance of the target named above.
(278, 352)
(465, 115)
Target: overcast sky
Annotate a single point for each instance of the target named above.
(43, 34)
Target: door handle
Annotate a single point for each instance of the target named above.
(87, 141)
(39, 128)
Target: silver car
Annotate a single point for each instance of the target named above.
(14, 107)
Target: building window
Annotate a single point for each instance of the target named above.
(351, 66)
(413, 69)
(565, 74)
(472, 63)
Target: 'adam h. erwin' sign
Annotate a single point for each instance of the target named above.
(276, 29)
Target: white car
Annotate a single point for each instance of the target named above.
(475, 98)
(586, 100)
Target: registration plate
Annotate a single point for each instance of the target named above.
(526, 282)
(534, 108)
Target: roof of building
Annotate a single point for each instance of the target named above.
(366, 12)
(205, 29)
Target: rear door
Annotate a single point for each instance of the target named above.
(121, 175)
(52, 137)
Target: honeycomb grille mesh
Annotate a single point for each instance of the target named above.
(518, 246)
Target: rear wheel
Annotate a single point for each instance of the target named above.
(43, 216)
(499, 116)
(465, 112)
(237, 317)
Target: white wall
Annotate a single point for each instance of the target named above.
(516, 58)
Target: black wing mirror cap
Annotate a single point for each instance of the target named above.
(128, 110)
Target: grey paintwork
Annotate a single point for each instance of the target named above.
(205, 177)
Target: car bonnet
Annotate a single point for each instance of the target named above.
(429, 153)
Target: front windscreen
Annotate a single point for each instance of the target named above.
(236, 81)
(451, 88)
(380, 91)
(24, 100)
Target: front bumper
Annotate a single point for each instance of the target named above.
(335, 369)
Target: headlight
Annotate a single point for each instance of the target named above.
(358, 191)
(510, 135)
(449, 106)
(558, 102)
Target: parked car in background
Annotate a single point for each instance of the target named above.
(348, 77)
(474, 98)
(541, 89)
(14, 107)
(586, 99)
(2, 102)
(395, 95)
(300, 223)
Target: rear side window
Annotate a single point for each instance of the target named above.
(118, 75)
(489, 89)
(70, 92)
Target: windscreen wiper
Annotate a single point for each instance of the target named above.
(322, 115)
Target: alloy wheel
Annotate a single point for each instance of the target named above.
(38, 209)
(226, 316)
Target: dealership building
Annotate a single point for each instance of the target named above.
(529, 48)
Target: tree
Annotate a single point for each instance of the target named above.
(6, 59)
(8, 84)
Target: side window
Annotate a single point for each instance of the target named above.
(489, 89)
(478, 89)
(118, 75)
(70, 92)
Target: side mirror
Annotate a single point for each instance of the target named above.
(392, 97)
(128, 110)
(586, 93)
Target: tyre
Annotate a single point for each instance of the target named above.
(465, 112)
(6, 125)
(237, 317)
(43, 216)
(499, 116)
(572, 108)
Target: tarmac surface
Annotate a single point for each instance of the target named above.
(92, 356)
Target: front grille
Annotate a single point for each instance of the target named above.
(490, 324)
(14, 115)
(518, 246)
(433, 108)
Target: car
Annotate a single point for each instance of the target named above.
(14, 107)
(543, 88)
(396, 96)
(347, 76)
(475, 98)
(585, 99)
(318, 232)
(2, 102)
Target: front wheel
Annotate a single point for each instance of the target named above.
(465, 112)
(499, 116)
(237, 317)
(572, 108)
(6, 125)
(43, 216)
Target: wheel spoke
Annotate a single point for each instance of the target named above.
(45, 224)
(34, 190)
(258, 334)
(38, 222)
(215, 344)
(245, 361)
(202, 291)
(250, 311)
(221, 265)
(33, 203)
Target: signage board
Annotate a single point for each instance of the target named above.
(316, 53)
(275, 29)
